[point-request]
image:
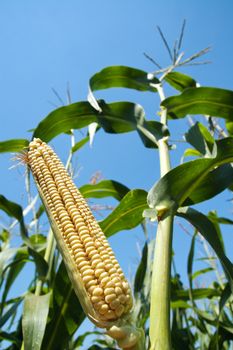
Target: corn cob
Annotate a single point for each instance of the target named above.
(103, 291)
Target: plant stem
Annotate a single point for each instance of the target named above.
(160, 336)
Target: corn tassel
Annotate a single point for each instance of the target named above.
(97, 278)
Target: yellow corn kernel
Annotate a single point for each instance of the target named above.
(93, 269)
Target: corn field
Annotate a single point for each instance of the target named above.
(75, 273)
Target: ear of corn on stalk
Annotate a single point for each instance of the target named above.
(97, 278)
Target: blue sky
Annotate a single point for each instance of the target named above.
(49, 44)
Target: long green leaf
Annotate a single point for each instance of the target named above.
(127, 214)
(207, 230)
(5, 256)
(202, 100)
(74, 116)
(120, 117)
(105, 188)
(14, 268)
(141, 270)
(198, 293)
(116, 117)
(200, 138)
(122, 76)
(9, 313)
(180, 81)
(34, 320)
(14, 145)
(41, 264)
(14, 210)
(193, 181)
(66, 314)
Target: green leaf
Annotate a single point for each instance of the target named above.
(220, 220)
(198, 293)
(81, 338)
(190, 152)
(151, 132)
(200, 138)
(15, 268)
(194, 181)
(229, 126)
(180, 81)
(66, 314)
(5, 256)
(80, 144)
(34, 320)
(141, 270)
(74, 116)
(14, 210)
(207, 230)
(14, 145)
(202, 100)
(201, 272)
(127, 215)
(120, 117)
(9, 313)
(41, 264)
(122, 76)
(11, 338)
(214, 183)
(179, 304)
(105, 188)
(116, 117)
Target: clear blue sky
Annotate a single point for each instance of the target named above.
(47, 44)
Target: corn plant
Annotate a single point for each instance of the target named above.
(76, 273)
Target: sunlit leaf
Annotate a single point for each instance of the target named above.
(80, 144)
(127, 214)
(41, 264)
(74, 116)
(190, 152)
(141, 270)
(201, 272)
(198, 293)
(179, 80)
(207, 230)
(14, 145)
(203, 100)
(14, 210)
(194, 181)
(105, 188)
(122, 76)
(34, 320)
(66, 314)
(14, 269)
(200, 138)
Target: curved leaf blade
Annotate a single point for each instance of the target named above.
(74, 116)
(200, 138)
(34, 320)
(188, 182)
(141, 270)
(122, 76)
(15, 210)
(214, 183)
(180, 81)
(13, 145)
(120, 117)
(127, 215)
(203, 100)
(66, 314)
(207, 230)
(105, 188)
